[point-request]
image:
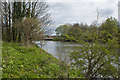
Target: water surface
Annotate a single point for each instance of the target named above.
(58, 48)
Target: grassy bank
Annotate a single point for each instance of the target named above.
(29, 62)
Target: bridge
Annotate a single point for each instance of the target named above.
(49, 37)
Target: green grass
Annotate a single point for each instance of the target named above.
(29, 62)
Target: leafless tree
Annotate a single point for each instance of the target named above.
(30, 29)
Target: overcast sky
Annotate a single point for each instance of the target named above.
(77, 11)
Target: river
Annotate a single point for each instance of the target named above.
(60, 50)
(57, 48)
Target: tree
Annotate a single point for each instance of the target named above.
(96, 60)
(30, 29)
(84, 27)
(62, 29)
(14, 11)
(110, 26)
(75, 31)
(1, 21)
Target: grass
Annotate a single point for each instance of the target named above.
(29, 62)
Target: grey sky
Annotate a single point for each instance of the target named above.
(77, 11)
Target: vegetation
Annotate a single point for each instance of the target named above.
(30, 29)
(24, 22)
(78, 32)
(97, 55)
(29, 62)
(96, 60)
(15, 12)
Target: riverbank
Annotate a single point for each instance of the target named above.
(30, 62)
(67, 39)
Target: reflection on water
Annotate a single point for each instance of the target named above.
(58, 48)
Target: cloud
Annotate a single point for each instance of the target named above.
(81, 11)
(107, 12)
(82, 0)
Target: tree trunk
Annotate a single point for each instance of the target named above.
(9, 22)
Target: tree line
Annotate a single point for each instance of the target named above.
(76, 31)
(17, 17)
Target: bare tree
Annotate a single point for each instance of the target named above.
(30, 29)
(13, 11)
(1, 21)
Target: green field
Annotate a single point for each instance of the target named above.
(29, 62)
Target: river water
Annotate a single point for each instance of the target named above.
(57, 48)
(60, 50)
